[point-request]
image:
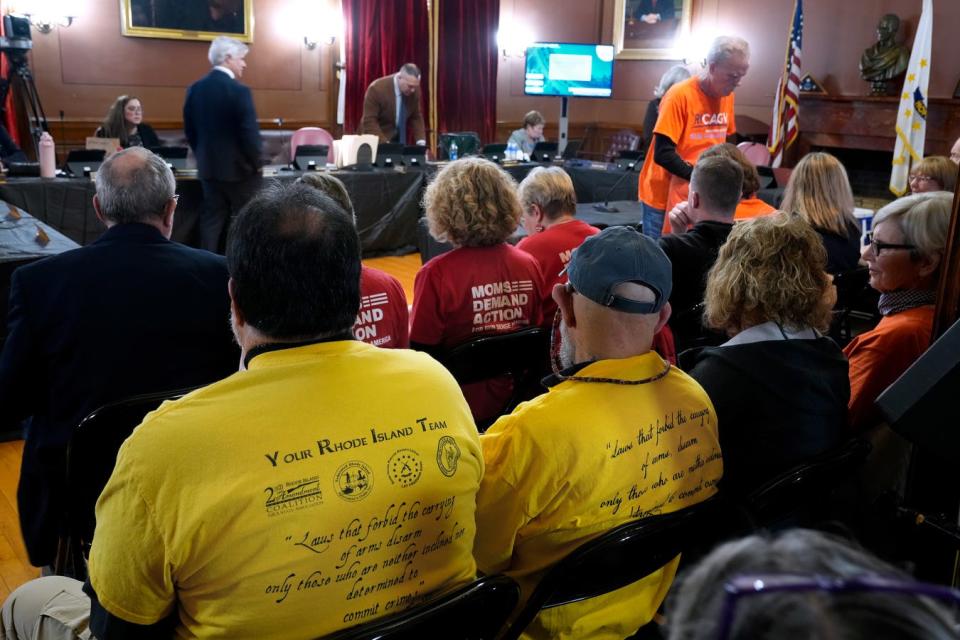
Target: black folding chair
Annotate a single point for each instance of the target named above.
(855, 299)
(615, 559)
(521, 355)
(476, 611)
(91, 456)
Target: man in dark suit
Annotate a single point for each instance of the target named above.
(131, 313)
(391, 100)
(221, 127)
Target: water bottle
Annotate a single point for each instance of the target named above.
(511, 150)
(453, 150)
(48, 160)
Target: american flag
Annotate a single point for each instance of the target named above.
(784, 128)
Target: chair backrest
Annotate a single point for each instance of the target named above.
(91, 456)
(615, 559)
(807, 484)
(623, 140)
(756, 153)
(476, 611)
(851, 286)
(468, 144)
(311, 135)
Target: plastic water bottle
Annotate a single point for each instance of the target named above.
(48, 161)
(453, 150)
(511, 150)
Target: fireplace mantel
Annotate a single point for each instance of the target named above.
(868, 122)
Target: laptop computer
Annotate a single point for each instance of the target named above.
(83, 162)
(389, 155)
(572, 149)
(544, 152)
(495, 152)
(311, 157)
(176, 157)
(415, 156)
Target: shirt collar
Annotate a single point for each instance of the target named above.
(629, 370)
(279, 346)
(220, 67)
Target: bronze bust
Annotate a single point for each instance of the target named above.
(886, 59)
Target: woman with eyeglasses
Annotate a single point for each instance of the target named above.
(933, 173)
(124, 122)
(904, 256)
(779, 387)
(819, 190)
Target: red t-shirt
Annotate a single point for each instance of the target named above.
(552, 249)
(472, 291)
(695, 122)
(383, 319)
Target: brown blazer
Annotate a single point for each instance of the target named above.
(380, 111)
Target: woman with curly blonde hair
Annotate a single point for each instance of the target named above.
(483, 286)
(819, 190)
(780, 389)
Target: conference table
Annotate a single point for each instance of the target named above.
(388, 202)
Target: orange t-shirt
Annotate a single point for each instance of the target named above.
(695, 122)
(752, 208)
(879, 356)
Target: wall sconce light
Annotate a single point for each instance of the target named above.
(45, 23)
(311, 41)
(513, 40)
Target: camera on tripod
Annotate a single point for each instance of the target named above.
(15, 45)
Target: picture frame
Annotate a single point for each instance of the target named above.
(180, 20)
(650, 29)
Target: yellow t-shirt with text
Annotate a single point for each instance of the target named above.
(328, 485)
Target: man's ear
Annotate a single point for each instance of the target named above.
(96, 209)
(234, 309)
(168, 211)
(665, 313)
(694, 199)
(564, 299)
(536, 212)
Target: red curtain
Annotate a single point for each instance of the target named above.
(467, 67)
(381, 36)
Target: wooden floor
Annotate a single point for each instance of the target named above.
(15, 569)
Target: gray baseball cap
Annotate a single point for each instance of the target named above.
(617, 255)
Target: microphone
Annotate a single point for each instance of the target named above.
(605, 207)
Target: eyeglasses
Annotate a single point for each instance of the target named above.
(880, 246)
(921, 178)
(745, 586)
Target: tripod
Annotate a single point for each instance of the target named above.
(27, 91)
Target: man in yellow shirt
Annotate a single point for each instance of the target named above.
(325, 484)
(620, 435)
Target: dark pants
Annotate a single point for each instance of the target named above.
(221, 201)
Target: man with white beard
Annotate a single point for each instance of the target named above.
(620, 435)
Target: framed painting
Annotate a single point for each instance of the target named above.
(650, 29)
(187, 19)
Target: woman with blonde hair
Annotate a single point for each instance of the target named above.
(124, 121)
(779, 387)
(819, 190)
(933, 173)
(484, 286)
(530, 134)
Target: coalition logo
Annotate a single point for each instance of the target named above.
(448, 454)
(293, 496)
(404, 467)
(353, 481)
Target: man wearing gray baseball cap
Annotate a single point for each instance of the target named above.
(620, 435)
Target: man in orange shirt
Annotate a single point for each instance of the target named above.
(695, 114)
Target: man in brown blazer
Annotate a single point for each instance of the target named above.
(395, 99)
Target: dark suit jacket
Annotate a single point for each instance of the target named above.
(221, 127)
(380, 111)
(131, 313)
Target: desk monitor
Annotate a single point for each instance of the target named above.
(919, 404)
(570, 70)
(495, 152)
(572, 149)
(415, 156)
(544, 152)
(389, 155)
(81, 162)
(311, 153)
(176, 157)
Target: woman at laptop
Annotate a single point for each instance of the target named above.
(124, 122)
(531, 133)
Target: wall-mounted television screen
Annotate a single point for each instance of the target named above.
(563, 69)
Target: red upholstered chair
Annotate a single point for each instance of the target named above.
(311, 135)
(623, 140)
(756, 152)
